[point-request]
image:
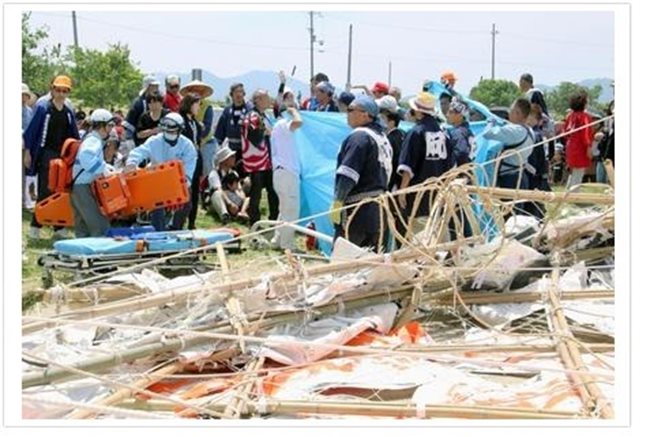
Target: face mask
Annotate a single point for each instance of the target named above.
(171, 138)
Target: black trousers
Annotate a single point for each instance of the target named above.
(43, 175)
(262, 180)
(195, 192)
(364, 228)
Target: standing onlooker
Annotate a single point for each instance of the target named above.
(325, 98)
(311, 103)
(363, 167)
(534, 95)
(28, 113)
(461, 138)
(230, 123)
(517, 138)
(256, 131)
(167, 146)
(345, 98)
(90, 165)
(53, 122)
(192, 130)
(578, 143)
(286, 173)
(389, 114)
(425, 153)
(606, 146)
(147, 125)
(172, 100)
(139, 106)
(207, 142)
(537, 167)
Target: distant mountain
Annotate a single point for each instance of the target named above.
(606, 95)
(251, 80)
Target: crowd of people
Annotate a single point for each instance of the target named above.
(231, 160)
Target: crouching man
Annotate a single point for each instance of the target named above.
(166, 146)
(90, 165)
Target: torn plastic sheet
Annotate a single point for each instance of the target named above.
(501, 258)
(320, 337)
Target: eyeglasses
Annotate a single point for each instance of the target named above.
(62, 90)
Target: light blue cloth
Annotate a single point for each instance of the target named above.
(90, 159)
(28, 113)
(157, 150)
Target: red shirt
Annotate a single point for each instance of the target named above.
(578, 142)
(172, 101)
(255, 143)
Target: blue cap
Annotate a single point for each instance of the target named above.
(367, 104)
(346, 97)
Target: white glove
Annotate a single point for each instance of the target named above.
(109, 170)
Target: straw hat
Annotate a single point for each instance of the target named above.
(198, 87)
(424, 102)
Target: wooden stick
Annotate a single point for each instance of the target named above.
(497, 298)
(242, 398)
(543, 196)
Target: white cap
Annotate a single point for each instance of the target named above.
(388, 103)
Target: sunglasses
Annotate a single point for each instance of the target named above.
(174, 87)
(62, 90)
(354, 109)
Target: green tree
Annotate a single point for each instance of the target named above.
(495, 92)
(105, 79)
(558, 98)
(37, 69)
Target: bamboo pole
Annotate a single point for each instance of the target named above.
(364, 408)
(242, 397)
(394, 409)
(499, 298)
(542, 196)
(589, 392)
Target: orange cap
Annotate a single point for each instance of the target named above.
(63, 82)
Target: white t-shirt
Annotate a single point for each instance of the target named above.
(283, 147)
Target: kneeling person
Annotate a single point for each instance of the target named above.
(89, 165)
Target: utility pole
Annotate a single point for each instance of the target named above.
(494, 36)
(390, 72)
(312, 39)
(348, 85)
(74, 29)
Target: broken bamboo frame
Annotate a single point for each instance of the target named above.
(590, 394)
(543, 196)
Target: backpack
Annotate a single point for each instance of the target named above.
(60, 173)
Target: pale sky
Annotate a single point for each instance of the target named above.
(552, 46)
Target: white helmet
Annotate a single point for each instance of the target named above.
(171, 122)
(101, 115)
(171, 126)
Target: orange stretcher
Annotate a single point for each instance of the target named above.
(161, 186)
(123, 195)
(55, 210)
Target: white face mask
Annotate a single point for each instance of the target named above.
(171, 137)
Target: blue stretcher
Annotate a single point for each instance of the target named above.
(124, 247)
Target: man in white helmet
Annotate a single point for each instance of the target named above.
(88, 166)
(168, 145)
